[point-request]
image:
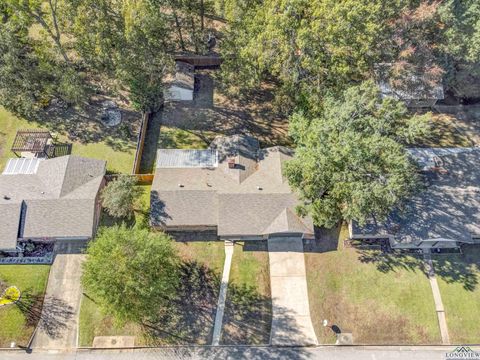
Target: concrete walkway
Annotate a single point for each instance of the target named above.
(57, 328)
(291, 323)
(437, 297)
(217, 329)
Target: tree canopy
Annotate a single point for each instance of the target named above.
(131, 273)
(350, 161)
(120, 196)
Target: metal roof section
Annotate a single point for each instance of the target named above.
(174, 158)
(22, 166)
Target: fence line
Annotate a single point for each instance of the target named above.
(141, 143)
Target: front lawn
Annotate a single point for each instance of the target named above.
(458, 277)
(17, 321)
(118, 154)
(191, 317)
(248, 309)
(380, 299)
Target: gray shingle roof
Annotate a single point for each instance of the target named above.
(58, 199)
(9, 221)
(250, 199)
(446, 208)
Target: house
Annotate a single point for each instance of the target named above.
(415, 90)
(182, 87)
(444, 213)
(49, 199)
(234, 188)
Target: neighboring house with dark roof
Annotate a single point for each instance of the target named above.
(234, 188)
(49, 199)
(183, 85)
(445, 213)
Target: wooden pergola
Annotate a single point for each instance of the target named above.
(33, 140)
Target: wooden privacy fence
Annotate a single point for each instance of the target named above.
(141, 143)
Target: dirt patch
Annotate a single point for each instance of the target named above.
(213, 111)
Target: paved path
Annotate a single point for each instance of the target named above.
(57, 328)
(245, 352)
(437, 297)
(291, 323)
(217, 329)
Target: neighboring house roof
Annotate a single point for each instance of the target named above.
(252, 198)
(9, 221)
(57, 200)
(413, 87)
(184, 75)
(447, 208)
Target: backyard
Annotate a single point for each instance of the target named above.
(191, 316)
(378, 300)
(112, 145)
(248, 309)
(17, 321)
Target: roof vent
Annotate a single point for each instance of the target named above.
(181, 185)
(259, 188)
(231, 163)
(5, 197)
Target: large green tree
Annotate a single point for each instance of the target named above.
(350, 162)
(131, 273)
(312, 47)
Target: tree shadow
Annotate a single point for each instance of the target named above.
(50, 313)
(84, 125)
(190, 316)
(247, 318)
(452, 268)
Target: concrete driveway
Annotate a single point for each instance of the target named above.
(291, 323)
(57, 328)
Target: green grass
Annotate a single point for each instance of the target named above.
(93, 323)
(248, 310)
(458, 278)
(117, 160)
(380, 300)
(209, 254)
(175, 138)
(31, 280)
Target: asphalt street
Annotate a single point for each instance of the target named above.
(241, 352)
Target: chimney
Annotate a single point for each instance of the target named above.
(231, 163)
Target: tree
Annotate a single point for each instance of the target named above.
(131, 273)
(312, 47)
(350, 162)
(120, 196)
